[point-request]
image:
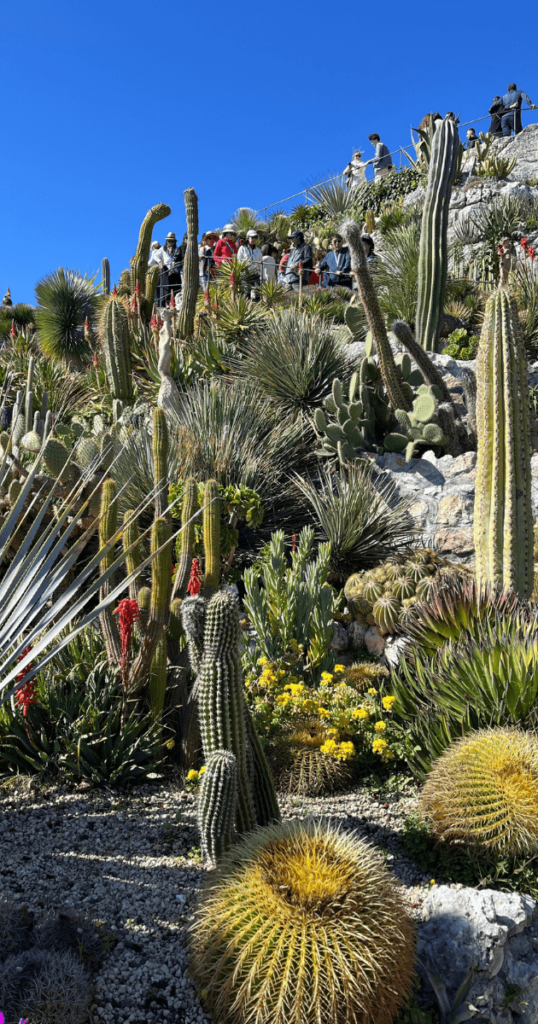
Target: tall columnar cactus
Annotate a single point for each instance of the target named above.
(211, 527)
(146, 282)
(433, 257)
(187, 537)
(190, 267)
(396, 394)
(503, 526)
(107, 528)
(114, 332)
(159, 447)
(217, 805)
(105, 276)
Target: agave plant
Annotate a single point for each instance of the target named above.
(245, 218)
(66, 299)
(294, 361)
(333, 197)
(504, 218)
(236, 275)
(361, 515)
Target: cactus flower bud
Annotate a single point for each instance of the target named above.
(114, 290)
(523, 244)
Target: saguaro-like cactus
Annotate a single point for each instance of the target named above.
(190, 267)
(114, 332)
(503, 526)
(187, 537)
(396, 394)
(160, 460)
(211, 525)
(105, 276)
(217, 805)
(146, 282)
(433, 260)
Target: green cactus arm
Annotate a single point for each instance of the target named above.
(175, 627)
(188, 510)
(152, 280)
(263, 787)
(130, 539)
(191, 278)
(217, 805)
(105, 276)
(157, 679)
(115, 340)
(159, 447)
(433, 257)
(141, 257)
(429, 371)
(211, 531)
(389, 373)
(159, 608)
(108, 523)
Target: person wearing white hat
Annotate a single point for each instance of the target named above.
(251, 254)
(226, 246)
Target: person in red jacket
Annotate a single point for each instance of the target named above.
(226, 246)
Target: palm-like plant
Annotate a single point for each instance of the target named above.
(65, 300)
(246, 218)
(360, 514)
(294, 361)
(278, 226)
(333, 197)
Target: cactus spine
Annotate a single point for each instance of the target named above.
(211, 528)
(396, 394)
(114, 330)
(190, 268)
(433, 258)
(217, 805)
(503, 525)
(105, 276)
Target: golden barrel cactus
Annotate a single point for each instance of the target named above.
(302, 924)
(484, 791)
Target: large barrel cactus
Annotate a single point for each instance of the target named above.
(503, 526)
(433, 255)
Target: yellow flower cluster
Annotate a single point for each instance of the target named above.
(381, 747)
(361, 714)
(194, 776)
(327, 677)
(380, 726)
(388, 702)
(342, 751)
(372, 692)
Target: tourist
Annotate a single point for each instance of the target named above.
(205, 252)
(268, 264)
(226, 246)
(282, 267)
(156, 256)
(368, 245)
(250, 253)
(512, 101)
(382, 162)
(472, 138)
(337, 263)
(496, 111)
(355, 172)
(173, 263)
(301, 252)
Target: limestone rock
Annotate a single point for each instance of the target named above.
(356, 634)
(339, 641)
(374, 642)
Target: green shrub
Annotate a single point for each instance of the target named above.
(460, 345)
(375, 194)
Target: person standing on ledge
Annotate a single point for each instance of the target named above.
(382, 161)
(512, 102)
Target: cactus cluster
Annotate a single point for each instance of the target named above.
(503, 526)
(217, 805)
(483, 791)
(299, 767)
(381, 597)
(416, 427)
(93, 446)
(30, 427)
(302, 923)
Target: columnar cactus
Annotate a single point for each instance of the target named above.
(114, 332)
(433, 257)
(105, 276)
(160, 460)
(139, 267)
(217, 805)
(397, 396)
(211, 527)
(186, 537)
(108, 524)
(190, 267)
(503, 526)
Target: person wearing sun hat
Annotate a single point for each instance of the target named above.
(226, 246)
(205, 252)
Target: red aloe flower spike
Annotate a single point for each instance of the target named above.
(153, 322)
(128, 612)
(300, 266)
(13, 332)
(500, 250)
(195, 579)
(532, 252)
(232, 280)
(133, 304)
(172, 301)
(207, 298)
(95, 359)
(523, 244)
(294, 542)
(137, 289)
(26, 694)
(114, 290)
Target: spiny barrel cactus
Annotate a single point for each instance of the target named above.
(217, 805)
(433, 255)
(302, 923)
(384, 596)
(484, 791)
(191, 274)
(299, 767)
(115, 339)
(503, 527)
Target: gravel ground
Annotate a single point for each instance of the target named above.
(133, 862)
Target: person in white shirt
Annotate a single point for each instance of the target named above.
(355, 172)
(251, 253)
(268, 264)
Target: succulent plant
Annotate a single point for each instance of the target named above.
(416, 428)
(483, 791)
(115, 339)
(302, 923)
(217, 805)
(384, 595)
(300, 769)
(46, 986)
(191, 282)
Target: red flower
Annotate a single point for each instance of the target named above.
(294, 542)
(25, 695)
(95, 359)
(137, 289)
(133, 304)
(300, 266)
(114, 290)
(172, 301)
(232, 280)
(500, 250)
(13, 332)
(523, 244)
(207, 297)
(153, 323)
(532, 252)
(195, 579)
(160, 322)
(128, 612)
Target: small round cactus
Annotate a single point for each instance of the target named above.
(385, 612)
(484, 791)
(302, 923)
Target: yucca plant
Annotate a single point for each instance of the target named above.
(294, 361)
(272, 294)
(246, 218)
(483, 791)
(66, 299)
(362, 517)
(237, 318)
(236, 274)
(334, 198)
(302, 923)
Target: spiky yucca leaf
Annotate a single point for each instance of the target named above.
(246, 218)
(484, 791)
(65, 299)
(334, 198)
(302, 925)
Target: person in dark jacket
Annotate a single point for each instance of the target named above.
(174, 263)
(496, 111)
(337, 263)
(512, 102)
(472, 138)
(382, 161)
(300, 253)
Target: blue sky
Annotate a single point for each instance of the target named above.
(111, 107)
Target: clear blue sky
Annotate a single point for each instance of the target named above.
(111, 107)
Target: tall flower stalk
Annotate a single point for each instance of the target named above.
(128, 613)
